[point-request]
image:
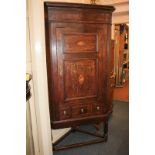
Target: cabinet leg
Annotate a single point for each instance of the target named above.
(105, 130)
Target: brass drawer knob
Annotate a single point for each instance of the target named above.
(65, 113)
(98, 108)
(82, 110)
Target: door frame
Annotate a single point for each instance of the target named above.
(39, 75)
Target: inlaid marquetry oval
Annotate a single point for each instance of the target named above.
(80, 43)
(81, 79)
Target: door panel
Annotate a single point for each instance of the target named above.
(80, 42)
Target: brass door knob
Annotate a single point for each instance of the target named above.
(112, 76)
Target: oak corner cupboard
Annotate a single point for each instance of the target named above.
(79, 68)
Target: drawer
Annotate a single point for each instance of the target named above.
(81, 111)
(84, 110)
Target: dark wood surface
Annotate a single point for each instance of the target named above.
(78, 55)
(103, 8)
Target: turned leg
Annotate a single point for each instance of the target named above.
(97, 126)
(105, 130)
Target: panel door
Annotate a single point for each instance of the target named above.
(79, 67)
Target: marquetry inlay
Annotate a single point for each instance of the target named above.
(81, 79)
(80, 43)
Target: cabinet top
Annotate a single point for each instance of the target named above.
(106, 8)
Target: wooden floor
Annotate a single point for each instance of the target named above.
(122, 94)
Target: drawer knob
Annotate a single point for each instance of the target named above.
(65, 112)
(82, 110)
(98, 108)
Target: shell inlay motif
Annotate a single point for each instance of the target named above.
(81, 79)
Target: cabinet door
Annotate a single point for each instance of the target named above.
(79, 65)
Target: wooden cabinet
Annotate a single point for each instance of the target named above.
(78, 40)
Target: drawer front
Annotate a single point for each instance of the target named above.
(98, 109)
(77, 111)
(83, 111)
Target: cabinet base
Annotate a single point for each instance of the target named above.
(99, 139)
